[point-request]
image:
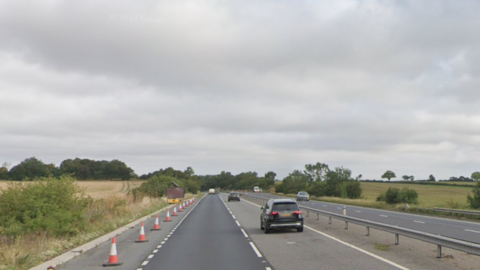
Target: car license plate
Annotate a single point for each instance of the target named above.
(286, 215)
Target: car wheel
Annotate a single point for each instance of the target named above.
(229, 200)
(300, 229)
(267, 230)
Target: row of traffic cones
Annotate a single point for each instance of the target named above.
(113, 258)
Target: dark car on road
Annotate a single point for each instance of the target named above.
(281, 213)
(303, 196)
(233, 196)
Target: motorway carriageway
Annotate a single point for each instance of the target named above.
(215, 234)
(463, 230)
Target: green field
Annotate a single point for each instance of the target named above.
(428, 195)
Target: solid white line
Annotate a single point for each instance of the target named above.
(467, 230)
(357, 248)
(256, 250)
(244, 233)
(417, 221)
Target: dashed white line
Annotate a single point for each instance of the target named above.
(467, 230)
(256, 250)
(383, 216)
(145, 263)
(150, 256)
(244, 233)
(237, 223)
(418, 221)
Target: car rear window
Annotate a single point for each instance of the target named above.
(233, 193)
(302, 193)
(285, 206)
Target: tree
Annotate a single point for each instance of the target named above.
(316, 172)
(406, 177)
(431, 178)
(411, 178)
(476, 176)
(31, 168)
(389, 175)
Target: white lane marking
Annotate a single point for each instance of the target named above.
(234, 217)
(357, 248)
(155, 250)
(324, 206)
(467, 230)
(150, 256)
(268, 268)
(418, 221)
(159, 246)
(145, 263)
(244, 233)
(383, 216)
(237, 223)
(256, 250)
(163, 242)
(349, 245)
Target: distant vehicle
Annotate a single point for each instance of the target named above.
(281, 213)
(234, 196)
(217, 191)
(303, 196)
(257, 190)
(211, 191)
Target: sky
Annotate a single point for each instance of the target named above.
(237, 86)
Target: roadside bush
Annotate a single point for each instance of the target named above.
(354, 190)
(474, 201)
(395, 195)
(316, 189)
(391, 195)
(408, 195)
(54, 206)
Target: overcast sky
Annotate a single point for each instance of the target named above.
(265, 85)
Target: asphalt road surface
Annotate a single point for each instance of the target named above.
(310, 249)
(216, 234)
(463, 230)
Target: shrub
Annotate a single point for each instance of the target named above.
(55, 206)
(156, 186)
(395, 195)
(316, 189)
(474, 201)
(408, 195)
(354, 190)
(391, 195)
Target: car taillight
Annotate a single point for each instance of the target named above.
(297, 212)
(273, 213)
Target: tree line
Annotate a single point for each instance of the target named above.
(81, 169)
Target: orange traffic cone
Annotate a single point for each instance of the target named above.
(175, 211)
(180, 209)
(113, 259)
(185, 205)
(168, 219)
(142, 237)
(156, 227)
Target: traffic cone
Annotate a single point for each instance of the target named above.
(180, 209)
(168, 219)
(185, 204)
(142, 237)
(156, 227)
(113, 259)
(175, 211)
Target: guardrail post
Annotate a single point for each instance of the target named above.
(397, 238)
(330, 220)
(346, 225)
(439, 251)
(368, 231)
